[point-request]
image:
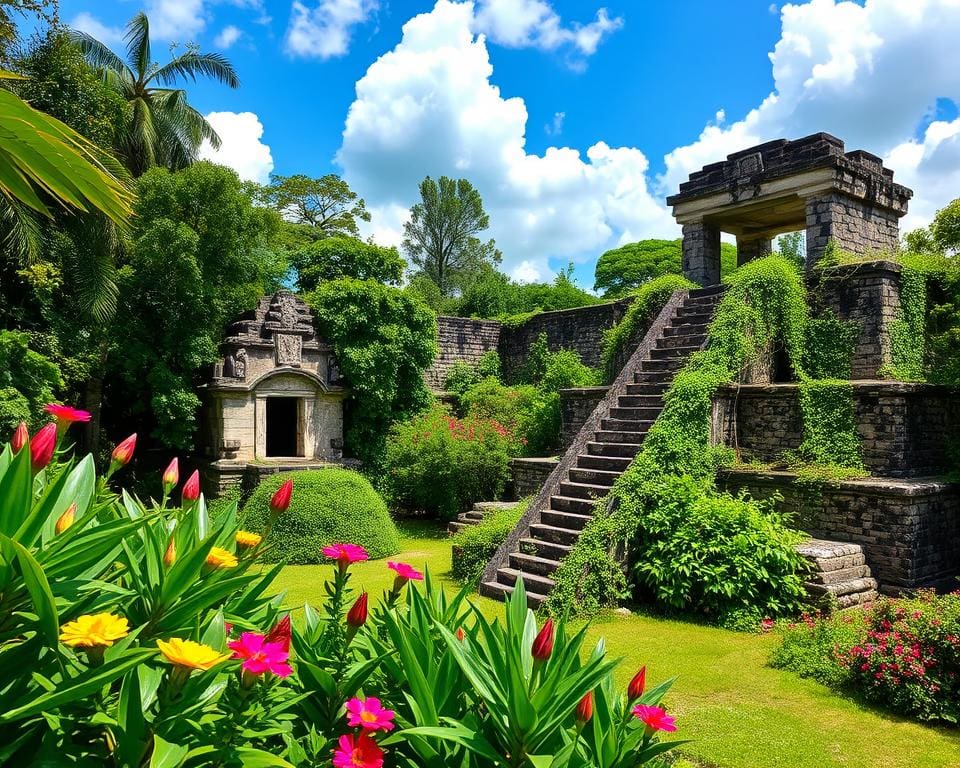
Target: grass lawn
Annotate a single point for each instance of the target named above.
(739, 712)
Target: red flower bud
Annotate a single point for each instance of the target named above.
(42, 446)
(461, 634)
(543, 642)
(124, 451)
(191, 488)
(357, 616)
(584, 710)
(66, 519)
(281, 499)
(280, 633)
(20, 437)
(637, 685)
(171, 476)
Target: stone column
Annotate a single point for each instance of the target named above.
(701, 253)
(854, 226)
(750, 248)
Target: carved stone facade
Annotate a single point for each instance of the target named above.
(810, 184)
(275, 396)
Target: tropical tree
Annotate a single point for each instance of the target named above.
(625, 268)
(316, 207)
(441, 236)
(333, 258)
(159, 127)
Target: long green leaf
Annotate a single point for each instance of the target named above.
(39, 588)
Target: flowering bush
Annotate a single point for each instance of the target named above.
(136, 635)
(903, 654)
(440, 465)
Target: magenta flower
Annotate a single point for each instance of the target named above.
(655, 718)
(357, 752)
(369, 715)
(260, 656)
(345, 554)
(66, 415)
(405, 572)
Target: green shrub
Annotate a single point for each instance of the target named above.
(489, 365)
(328, 505)
(439, 465)
(474, 546)
(27, 382)
(902, 654)
(226, 502)
(513, 407)
(648, 300)
(460, 377)
(563, 369)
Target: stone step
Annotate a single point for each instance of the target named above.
(553, 534)
(502, 592)
(610, 463)
(455, 526)
(545, 549)
(701, 301)
(572, 504)
(685, 340)
(670, 366)
(673, 353)
(626, 426)
(643, 387)
(711, 290)
(493, 506)
(532, 582)
(839, 575)
(619, 436)
(533, 564)
(583, 490)
(471, 515)
(640, 401)
(619, 450)
(566, 520)
(632, 413)
(684, 330)
(856, 598)
(588, 476)
(843, 588)
(693, 316)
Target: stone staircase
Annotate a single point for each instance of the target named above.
(481, 510)
(602, 451)
(839, 577)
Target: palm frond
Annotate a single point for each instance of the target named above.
(91, 269)
(19, 230)
(99, 56)
(190, 65)
(137, 39)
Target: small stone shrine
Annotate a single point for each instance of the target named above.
(275, 398)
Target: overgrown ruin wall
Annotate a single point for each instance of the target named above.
(465, 339)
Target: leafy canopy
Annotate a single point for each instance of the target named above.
(336, 257)
(326, 206)
(626, 268)
(441, 236)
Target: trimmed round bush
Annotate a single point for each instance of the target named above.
(328, 505)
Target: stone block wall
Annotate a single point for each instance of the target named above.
(578, 329)
(867, 294)
(576, 405)
(905, 429)
(460, 339)
(529, 475)
(855, 225)
(909, 529)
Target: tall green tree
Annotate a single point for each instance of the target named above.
(333, 258)
(159, 128)
(441, 237)
(320, 207)
(202, 254)
(621, 270)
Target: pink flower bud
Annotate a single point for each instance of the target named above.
(191, 488)
(637, 685)
(124, 451)
(357, 615)
(543, 642)
(281, 499)
(584, 710)
(42, 446)
(20, 437)
(171, 476)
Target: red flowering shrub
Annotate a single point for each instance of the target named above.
(440, 465)
(903, 654)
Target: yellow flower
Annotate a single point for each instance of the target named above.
(94, 630)
(221, 558)
(187, 653)
(248, 539)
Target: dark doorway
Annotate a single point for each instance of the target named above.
(283, 426)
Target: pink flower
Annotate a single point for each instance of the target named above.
(65, 415)
(405, 572)
(42, 446)
(369, 715)
(260, 656)
(124, 451)
(655, 718)
(767, 625)
(357, 752)
(191, 488)
(345, 554)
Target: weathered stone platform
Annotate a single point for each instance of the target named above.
(839, 575)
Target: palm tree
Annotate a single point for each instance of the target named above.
(160, 127)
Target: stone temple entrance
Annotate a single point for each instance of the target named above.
(284, 427)
(810, 184)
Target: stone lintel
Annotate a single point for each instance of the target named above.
(871, 486)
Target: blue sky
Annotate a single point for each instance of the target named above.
(574, 119)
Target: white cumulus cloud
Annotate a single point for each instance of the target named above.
(869, 74)
(429, 107)
(227, 37)
(241, 147)
(87, 22)
(324, 30)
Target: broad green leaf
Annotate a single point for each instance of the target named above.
(40, 595)
(16, 490)
(166, 754)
